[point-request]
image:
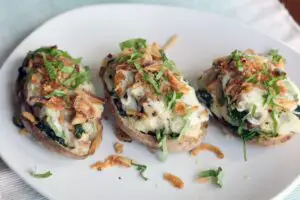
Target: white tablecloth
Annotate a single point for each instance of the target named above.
(19, 18)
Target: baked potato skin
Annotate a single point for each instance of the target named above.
(262, 141)
(184, 144)
(210, 76)
(38, 134)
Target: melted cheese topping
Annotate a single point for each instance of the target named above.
(59, 120)
(253, 101)
(157, 115)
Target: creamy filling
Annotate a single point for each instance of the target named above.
(158, 116)
(258, 113)
(80, 145)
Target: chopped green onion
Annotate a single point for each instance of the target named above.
(215, 174)
(42, 175)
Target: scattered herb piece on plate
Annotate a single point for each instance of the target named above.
(215, 175)
(41, 175)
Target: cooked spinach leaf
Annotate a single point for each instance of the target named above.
(17, 121)
(78, 130)
(204, 97)
(237, 116)
(43, 126)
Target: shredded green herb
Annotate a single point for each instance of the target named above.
(253, 110)
(78, 78)
(42, 175)
(251, 79)
(134, 44)
(151, 80)
(164, 148)
(141, 168)
(168, 63)
(171, 98)
(161, 138)
(275, 122)
(216, 175)
(245, 150)
(147, 77)
(160, 74)
(67, 69)
(275, 56)
(236, 56)
(57, 93)
(186, 125)
(49, 67)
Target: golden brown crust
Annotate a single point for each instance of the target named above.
(184, 144)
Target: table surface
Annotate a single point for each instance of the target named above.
(19, 18)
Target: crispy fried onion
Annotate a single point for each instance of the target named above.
(29, 117)
(118, 147)
(176, 84)
(209, 147)
(111, 161)
(85, 105)
(174, 180)
(54, 102)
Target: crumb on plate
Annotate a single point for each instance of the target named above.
(111, 161)
(209, 147)
(174, 180)
(118, 147)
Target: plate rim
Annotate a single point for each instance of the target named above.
(284, 193)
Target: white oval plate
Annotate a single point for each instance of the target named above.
(93, 32)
